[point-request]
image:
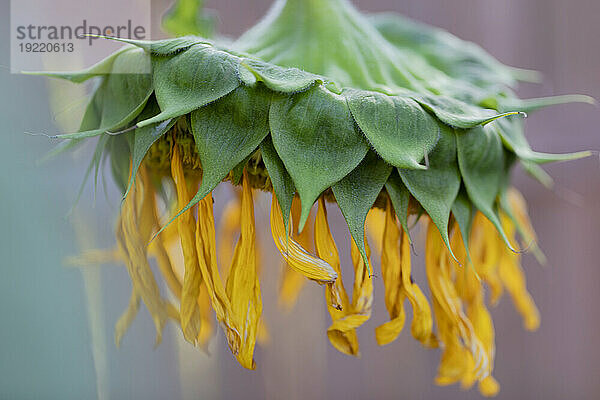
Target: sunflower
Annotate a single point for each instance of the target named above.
(397, 123)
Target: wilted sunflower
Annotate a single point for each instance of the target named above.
(392, 120)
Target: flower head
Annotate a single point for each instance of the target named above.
(318, 103)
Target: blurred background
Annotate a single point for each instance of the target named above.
(56, 323)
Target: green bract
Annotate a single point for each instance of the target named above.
(325, 98)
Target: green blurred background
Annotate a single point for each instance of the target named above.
(56, 336)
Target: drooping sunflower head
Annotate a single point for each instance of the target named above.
(389, 119)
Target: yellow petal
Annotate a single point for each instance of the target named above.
(207, 260)
(375, 225)
(207, 326)
(263, 337)
(292, 281)
(344, 340)
(513, 278)
(455, 330)
(191, 318)
(229, 229)
(158, 247)
(362, 295)
(134, 249)
(489, 387)
(243, 287)
(298, 258)
(391, 266)
(127, 317)
(389, 331)
(519, 207)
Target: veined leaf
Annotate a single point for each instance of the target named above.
(436, 188)
(276, 78)
(463, 212)
(190, 80)
(283, 185)
(314, 134)
(121, 95)
(398, 128)
(356, 194)
(481, 162)
(226, 132)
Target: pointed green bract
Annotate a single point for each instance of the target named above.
(226, 132)
(436, 188)
(481, 162)
(400, 197)
(397, 127)
(530, 105)
(144, 138)
(511, 131)
(463, 212)
(164, 47)
(120, 152)
(457, 113)
(283, 186)
(314, 134)
(121, 95)
(103, 67)
(190, 80)
(276, 78)
(356, 194)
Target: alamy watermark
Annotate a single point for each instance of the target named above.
(65, 35)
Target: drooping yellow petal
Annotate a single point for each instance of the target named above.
(513, 278)
(132, 241)
(362, 295)
(375, 225)
(489, 387)
(292, 281)
(336, 296)
(455, 331)
(298, 258)
(207, 325)
(229, 230)
(243, 287)
(391, 265)
(422, 324)
(519, 207)
(191, 318)
(470, 289)
(359, 310)
(127, 317)
(207, 259)
(94, 257)
(396, 270)
(158, 246)
(485, 254)
(263, 337)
